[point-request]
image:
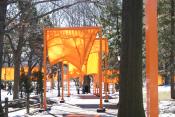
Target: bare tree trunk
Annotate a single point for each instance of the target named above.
(17, 57)
(130, 94)
(28, 103)
(17, 51)
(30, 67)
(41, 62)
(172, 51)
(3, 9)
(17, 61)
(40, 83)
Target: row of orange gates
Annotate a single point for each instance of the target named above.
(8, 75)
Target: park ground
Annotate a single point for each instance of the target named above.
(85, 105)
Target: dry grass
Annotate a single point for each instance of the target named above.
(163, 96)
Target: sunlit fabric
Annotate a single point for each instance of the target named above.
(70, 44)
(161, 80)
(93, 59)
(91, 66)
(96, 46)
(111, 76)
(73, 71)
(7, 74)
(34, 69)
(112, 80)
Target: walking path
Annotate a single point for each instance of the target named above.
(82, 105)
(85, 105)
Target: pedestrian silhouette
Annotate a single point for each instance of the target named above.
(9, 88)
(2, 86)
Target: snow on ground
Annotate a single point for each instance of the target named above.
(87, 104)
(164, 88)
(167, 108)
(4, 95)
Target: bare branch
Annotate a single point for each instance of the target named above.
(11, 20)
(44, 1)
(34, 64)
(10, 41)
(63, 7)
(11, 1)
(49, 12)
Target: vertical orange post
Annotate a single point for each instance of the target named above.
(80, 80)
(44, 65)
(98, 91)
(100, 79)
(68, 81)
(100, 109)
(93, 86)
(5, 75)
(96, 84)
(105, 80)
(62, 78)
(152, 58)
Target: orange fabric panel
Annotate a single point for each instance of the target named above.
(161, 80)
(93, 59)
(73, 71)
(112, 80)
(7, 73)
(92, 64)
(110, 72)
(35, 69)
(96, 45)
(151, 57)
(70, 44)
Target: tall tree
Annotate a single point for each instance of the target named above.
(23, 5)
(172, 58)
(130, 94)
(3, 9)
(167, 42)
(110, 18)
(164, 39)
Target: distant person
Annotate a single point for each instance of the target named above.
(85, 89)
(2, 86)
(9, 88)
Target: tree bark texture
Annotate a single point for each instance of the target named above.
(3, 9)
(17, 58)
(172, 51)
(130, 94)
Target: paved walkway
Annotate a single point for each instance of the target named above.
(80, 106)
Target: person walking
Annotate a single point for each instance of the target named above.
(9, 88)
